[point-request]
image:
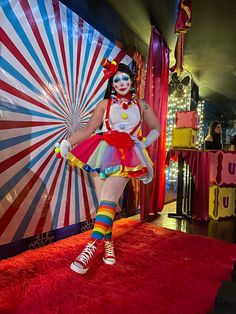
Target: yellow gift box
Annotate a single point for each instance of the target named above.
(184, 137)
(221, 202)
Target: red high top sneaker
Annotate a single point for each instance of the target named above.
(109, 254)
(82, 263)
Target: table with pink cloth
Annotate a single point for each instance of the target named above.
(207, 167)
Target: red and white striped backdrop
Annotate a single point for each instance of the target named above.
(51, 80)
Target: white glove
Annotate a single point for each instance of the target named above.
(65, 147)
(142, 144)
(151, 137)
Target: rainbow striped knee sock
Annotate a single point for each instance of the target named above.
(108, 234)
(104, 220)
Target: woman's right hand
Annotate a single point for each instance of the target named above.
(65, 147)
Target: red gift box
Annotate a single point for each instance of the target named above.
(187, 119)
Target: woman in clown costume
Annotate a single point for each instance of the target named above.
(114, 156)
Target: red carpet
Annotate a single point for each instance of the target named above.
(157, 271)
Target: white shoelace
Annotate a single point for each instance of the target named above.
(109, 249)
(87, 253)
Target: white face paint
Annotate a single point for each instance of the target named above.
(122, 83)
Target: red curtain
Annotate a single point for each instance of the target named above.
(156, 95)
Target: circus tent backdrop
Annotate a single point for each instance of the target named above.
(51, 80)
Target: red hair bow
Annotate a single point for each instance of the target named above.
(110, 67)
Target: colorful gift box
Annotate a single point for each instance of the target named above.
(184, 137)
(221, 202)
(187, 119)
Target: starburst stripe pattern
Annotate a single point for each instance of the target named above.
(51, 81)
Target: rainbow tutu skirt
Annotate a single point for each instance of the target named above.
(112, 154)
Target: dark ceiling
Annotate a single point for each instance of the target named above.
(210, 44)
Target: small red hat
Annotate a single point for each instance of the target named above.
(110, 67)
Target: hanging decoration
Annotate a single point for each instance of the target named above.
(183, 23)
